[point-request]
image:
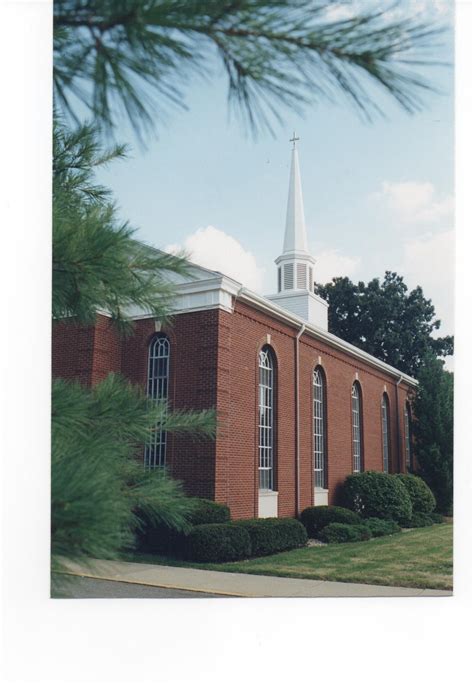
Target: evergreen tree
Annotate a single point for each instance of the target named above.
(385, 320)
(433, 431)
(98, 483)
(97, 264)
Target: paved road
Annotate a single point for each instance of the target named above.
(84, 587)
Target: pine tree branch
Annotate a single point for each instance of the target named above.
(276, 53)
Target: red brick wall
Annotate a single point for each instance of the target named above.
(85, 353)
(245, 332)
(213, 364)
(192, 386)
(72, 351)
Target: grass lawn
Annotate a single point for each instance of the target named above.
(415, 558)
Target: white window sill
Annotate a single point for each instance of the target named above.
(267, 503)
(321, 496)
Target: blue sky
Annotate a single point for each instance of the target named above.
(377, 196)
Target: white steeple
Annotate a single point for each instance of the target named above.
(295, 264)
(295, 232)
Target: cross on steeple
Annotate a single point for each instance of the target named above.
(294, 139)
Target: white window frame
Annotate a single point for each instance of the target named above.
(319, 430)
(385, 434)
(356, 430)
(157, 390)
(266, 392)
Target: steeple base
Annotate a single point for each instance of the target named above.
(304, 304)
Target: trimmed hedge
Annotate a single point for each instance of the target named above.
(272, 535)
(341, 533)
(437, 518)
(315, 518)
(163, 539)
(418, 520)
(217, 543)
(381, 528)
(422, 498)
(377, 495)
(207, 512)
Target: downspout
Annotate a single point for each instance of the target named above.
(399, 434)
(297, 411)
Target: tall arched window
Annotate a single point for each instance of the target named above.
(385, 434)
(407, 421)
(266, 400)
(157, 390)
(356, 430)
(319, 429)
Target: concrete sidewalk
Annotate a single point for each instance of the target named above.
(234, 584)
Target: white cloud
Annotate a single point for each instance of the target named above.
(338, 11)
(434, 9)
(438, 8)
(414, 202)
(215, 249)
(428, 261)
(330, 263)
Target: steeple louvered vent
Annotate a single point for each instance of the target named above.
(288, 276)
(301, 277)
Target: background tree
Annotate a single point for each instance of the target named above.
(396, 326)
(386, 320)
(433, 431)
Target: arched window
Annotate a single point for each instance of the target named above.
(356, 430)
(319, 429)
(385, 434)
(266, 401)
(407, 421)
(157, 390)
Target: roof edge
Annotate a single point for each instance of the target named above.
(336, 342)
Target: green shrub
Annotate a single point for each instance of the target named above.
(437, 518)
(418, 520)
(271, 535)
(380, 528)
(422, 498)
(340, 533)
(207, 512)
(217, 543)
(377, 495)
(315, 518)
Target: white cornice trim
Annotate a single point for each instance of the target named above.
(185, 310)
(295, 256)
(276, 311)
(232, 289)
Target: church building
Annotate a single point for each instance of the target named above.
(298, 408)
